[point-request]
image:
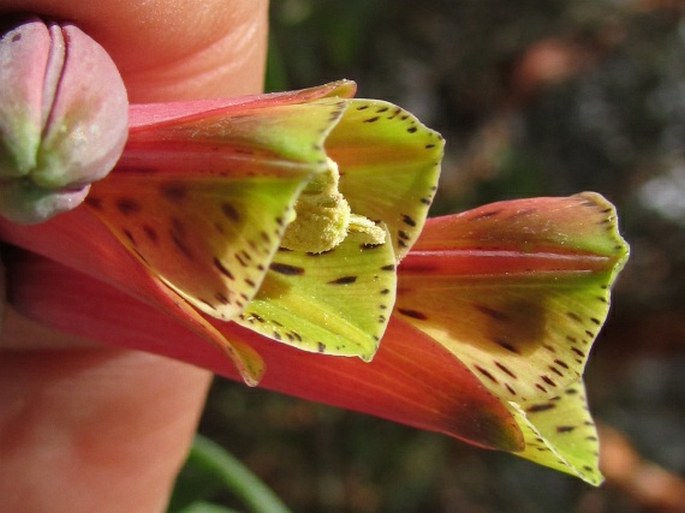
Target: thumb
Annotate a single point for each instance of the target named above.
(172, 50)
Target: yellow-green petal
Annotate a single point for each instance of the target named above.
(559, 433)
(389, 164)
(337, 302)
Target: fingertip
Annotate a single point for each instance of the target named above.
(172, 49)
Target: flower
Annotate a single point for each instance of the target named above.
(421, 376)
(281, 222)
(204, 191)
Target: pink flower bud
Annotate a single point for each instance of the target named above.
(63, 118)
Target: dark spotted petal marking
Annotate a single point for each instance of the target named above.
(174, 235)
(521, 299)
(389, 164)
(289, 270)
(517, 291)
(559, 433)
(203, 217)
(334, 303)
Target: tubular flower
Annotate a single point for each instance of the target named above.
(286, 227)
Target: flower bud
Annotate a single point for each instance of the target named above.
(63, 118)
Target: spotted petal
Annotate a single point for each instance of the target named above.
(411, 380)
(204, 202)
(205, 190)
(79, 240)
(559, 433)
(517, 290)
(338, 302)
(389, 164)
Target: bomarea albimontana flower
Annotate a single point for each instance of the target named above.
(272, 224)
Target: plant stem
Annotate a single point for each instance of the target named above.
(241, 481)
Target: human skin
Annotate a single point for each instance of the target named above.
(85, 427)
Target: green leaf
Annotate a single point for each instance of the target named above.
(209, 462)
(205, 507)
(337, 302)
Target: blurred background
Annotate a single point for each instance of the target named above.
(534, 97)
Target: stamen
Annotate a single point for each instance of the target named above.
(324, 218)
